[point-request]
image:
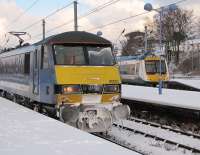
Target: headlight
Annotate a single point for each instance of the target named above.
(111, 88)
(71, 89)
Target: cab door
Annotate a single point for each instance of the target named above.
(35, 73)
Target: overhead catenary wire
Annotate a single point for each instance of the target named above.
(100, 7)
(22, 14)
(130, 17)
(94, 10)
(117, 21)
(49, 15)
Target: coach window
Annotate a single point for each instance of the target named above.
(1, 66)
(27, 63)
(17, 64)
(21, 64)
(137, 68)
(35, 59)
(45, 61)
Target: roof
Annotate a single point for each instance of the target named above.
(71, 37)
(133, 57)
(75, 37)
(135, 34)
(15, 51)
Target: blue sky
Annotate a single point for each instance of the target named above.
(44, 7)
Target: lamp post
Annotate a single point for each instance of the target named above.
(149, 7)
(145, 43)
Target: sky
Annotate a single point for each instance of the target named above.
(12, 9)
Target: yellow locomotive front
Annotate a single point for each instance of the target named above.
(153, 72)
(88, 86)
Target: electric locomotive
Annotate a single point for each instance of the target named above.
(143, 69)
(72, 76)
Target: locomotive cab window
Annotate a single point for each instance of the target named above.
(153, 67)
(163, 67)
(83, 55)
(100, 56)
(69, 55)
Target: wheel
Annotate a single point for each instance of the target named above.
(14, 99)
(36, 108)
(79, 124)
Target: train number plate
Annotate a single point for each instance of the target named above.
(91, 99)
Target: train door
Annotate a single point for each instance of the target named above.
(35, 73)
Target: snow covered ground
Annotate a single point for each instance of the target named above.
(182, 76)
(25, 132)
(174, 98)
(189, 82)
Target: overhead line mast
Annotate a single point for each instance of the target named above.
(75, 16)
(94, 10)
(43, 28)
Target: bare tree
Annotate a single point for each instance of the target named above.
(124, 47)
(197, 28)
(176, 27)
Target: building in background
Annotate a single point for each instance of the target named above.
(135, 43)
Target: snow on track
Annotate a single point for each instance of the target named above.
(165, 134)
(174, 98)
(146, 145)
(25, 132)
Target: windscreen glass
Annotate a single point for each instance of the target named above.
(153, 67)
(66, 55)
(100, 56)
(83, 55)
(127, 69)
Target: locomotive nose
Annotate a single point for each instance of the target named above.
(95, 120)
(90, 119)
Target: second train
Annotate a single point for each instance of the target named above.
(146, 70)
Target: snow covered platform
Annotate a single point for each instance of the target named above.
(195, 83)
(170, 97)
(25, 132)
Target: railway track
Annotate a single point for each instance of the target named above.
(196, 136)
(119, 142)
(184, 143)
(184, 120)
(166, 135)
